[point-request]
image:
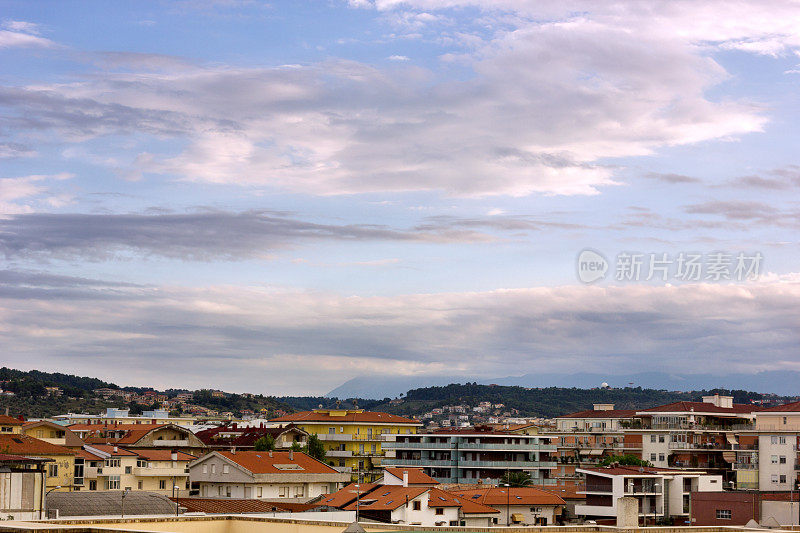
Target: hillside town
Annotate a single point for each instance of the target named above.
(685, 463)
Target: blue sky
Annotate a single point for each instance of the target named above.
(277, 196)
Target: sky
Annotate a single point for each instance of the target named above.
(275, 197)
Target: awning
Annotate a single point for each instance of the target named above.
(517, 517)
(596, 452)
(729, 457)
(731, 438)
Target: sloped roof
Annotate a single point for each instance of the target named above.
(109, 449)
(163, 455)
(244, 437)
(350, 417)
(25, 445)
(517, 496)
(387, 498)
(70, 438)
(228, 505)
(440, 498)
(278, 462)
(793, 407)
(623, 470)
(95, 503)
(16, 459)
(6, 420)
(345, 495)
(415, 475)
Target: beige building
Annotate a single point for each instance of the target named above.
(268, 474)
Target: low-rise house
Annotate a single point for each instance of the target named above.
(244, 438)
(263, 475)
(22, 487)
(10, 425)
(60, 467)
(406, 477)
(518, 505)
(662, 492)
(141, 436)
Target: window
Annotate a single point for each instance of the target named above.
(92, 484)
(661, 438)
(417, 506)
(205, 469)
(52, 470)
(139, 485)
(652, 457)
(782, 479)
(774, 439)
(331, 431)
(283, 492)
(128, 469)
(723, 514)
(213, 468)
(782, 459)
(7, 429)
(226, 469)
(774, 459)
(784, 420)
(219, 490)
(113, 482)
(228, 491)
(781, 440)
(113, 462)
(162, 484)
(141, 463)
(661, 457)
(774, 478)
(299, 491)
(260, 491)
(439, 510)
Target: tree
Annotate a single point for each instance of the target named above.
(627, 460)
(296, 447)
(315, 448)
(265, 444)
(516, 479)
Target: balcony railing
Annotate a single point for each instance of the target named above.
(498, 446)
(506, 464)
(745, 466)
(417, 462)
(419, 445)
(702, 446)
(339, 453)
(160, 472)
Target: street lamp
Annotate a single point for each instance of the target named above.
(177, 499)
(124, 493)
(655, 502)
(508, 503)
(358, 499)
(44, 503)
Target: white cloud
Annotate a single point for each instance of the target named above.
(17, 195)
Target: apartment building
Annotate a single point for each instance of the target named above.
(123, 416)
(661, 492)
(109, 467)
(263, 475)
(474, 455)
(354, 439)
(22, 487)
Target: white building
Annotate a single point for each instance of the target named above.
(662, 492)
(267, 475)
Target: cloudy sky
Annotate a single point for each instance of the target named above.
(278, 196)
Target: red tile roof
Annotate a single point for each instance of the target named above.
(702, 407)
(5, 458)
(440, 498)
(517, 496)
(6, 420)
(109, 448)
(639, 470)
(345, 495)
(28, 446)
(793, 407)
(387, 498)
(351, 417)
(613, 413)
(228, 505)
(262, 463)
(415, 475)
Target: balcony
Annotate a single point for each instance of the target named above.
(418, 462)
(699, 446)
(509, 447)
(745, 446)
(160, 472)
(394, 445)
(506, 464)
(643, 490)
(339, 453)
(171, 443)
(745, 466)
(347, 437)
(604, 489)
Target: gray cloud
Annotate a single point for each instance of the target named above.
(198, 236)
(777, 179)
(285, 338)
(671, 178)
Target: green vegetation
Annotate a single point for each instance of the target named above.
(264, 444)
(626, 460)
(315, 448)
(516, 479)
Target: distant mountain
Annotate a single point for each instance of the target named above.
(784, 383)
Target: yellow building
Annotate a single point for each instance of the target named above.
(60, 468)
(353, 437)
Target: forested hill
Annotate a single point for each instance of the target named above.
(553, 401)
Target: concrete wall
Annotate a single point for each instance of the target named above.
(767, 470)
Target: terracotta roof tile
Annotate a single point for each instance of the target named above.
(6, 420)
(28, 446)
(440, 498)
(228, 505)
(793, 407)
(387, 498)
(262, 463)
(518, 495)
(591, 413)
(345, 495)
(415, 475)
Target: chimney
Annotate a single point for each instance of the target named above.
(270, 453)
(174, 455)
(6, 411)
(405, 478)
(291, 455)
(115, 449)
(233, 450)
